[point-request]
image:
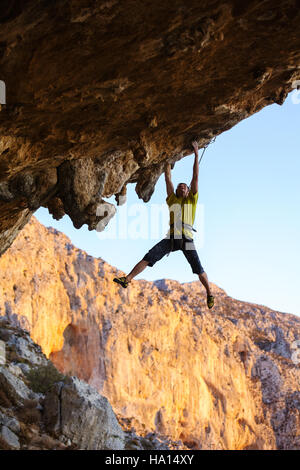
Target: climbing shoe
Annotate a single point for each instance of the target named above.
(121, 280)
(210, 301)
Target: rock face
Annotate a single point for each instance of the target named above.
(222, 379)
(69, 414)
(99, 94)
(82, 415)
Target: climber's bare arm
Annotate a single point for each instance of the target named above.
(194, 182)
(169, 184)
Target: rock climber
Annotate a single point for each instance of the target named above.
(182, 208)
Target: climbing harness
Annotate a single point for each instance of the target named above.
(180, 226)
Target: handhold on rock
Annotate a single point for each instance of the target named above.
(121, 196)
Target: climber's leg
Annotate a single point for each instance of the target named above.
(210, 298)
(138, 268)
(204, 281)
(190, 252)
(155, 254)
(125, 280)
(158, 251)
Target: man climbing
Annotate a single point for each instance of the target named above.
(182, 207)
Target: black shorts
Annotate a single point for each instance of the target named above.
(164, 246)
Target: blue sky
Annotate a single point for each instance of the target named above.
(247, 221)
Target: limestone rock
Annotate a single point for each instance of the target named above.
(79, 413)
(26, 349)
(9, 438)
(221, 379)
(12, 423)
(12, 386)
(70, 415)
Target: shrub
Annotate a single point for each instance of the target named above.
(41, 378)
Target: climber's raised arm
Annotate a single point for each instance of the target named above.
(169, 184)
(194, 182)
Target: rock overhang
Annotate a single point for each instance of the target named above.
(102, 94)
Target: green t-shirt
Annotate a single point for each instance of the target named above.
(182, 209)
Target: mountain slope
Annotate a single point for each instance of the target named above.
(221, 379)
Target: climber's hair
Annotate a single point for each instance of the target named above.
(184, 184)
(188, 188)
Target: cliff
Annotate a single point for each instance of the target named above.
(222, 379)
(42, 409)
(103, 93)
